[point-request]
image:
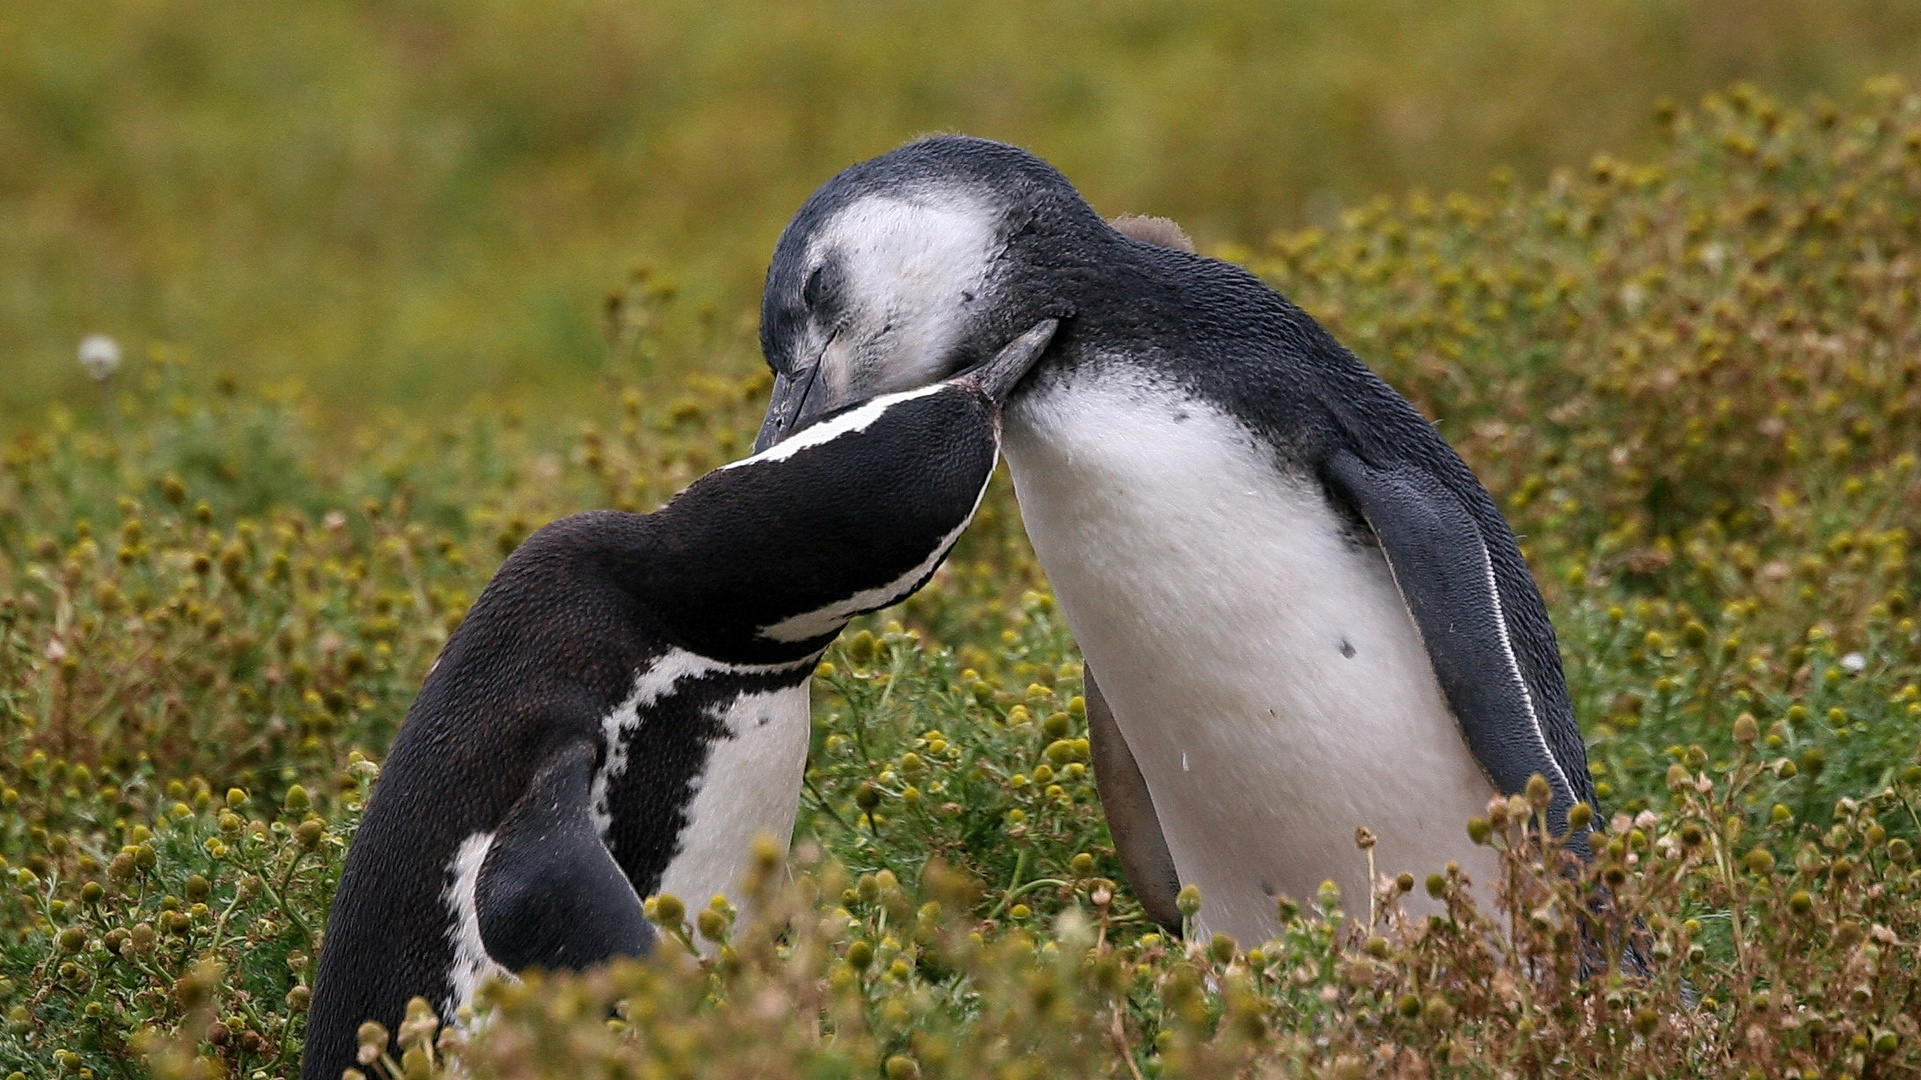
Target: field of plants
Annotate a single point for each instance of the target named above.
(401, 202)
(1690, 373)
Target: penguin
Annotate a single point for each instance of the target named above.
(624, 711)
(1306, 614)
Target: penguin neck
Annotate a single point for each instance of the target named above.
(636, 558)
(1117, 297)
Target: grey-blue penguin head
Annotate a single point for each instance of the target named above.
(907, 268)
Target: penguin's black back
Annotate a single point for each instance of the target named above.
(548, 649)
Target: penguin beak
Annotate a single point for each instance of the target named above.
(790, 408)
(998, 376)
(795, 404)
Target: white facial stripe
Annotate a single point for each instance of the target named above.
(650, 685)
(830, 619)
(472, 966)
(749, 786)
(852, 422)
(912, 265)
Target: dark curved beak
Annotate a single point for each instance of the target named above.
(789, 409)
(794, 404)
(998, 375)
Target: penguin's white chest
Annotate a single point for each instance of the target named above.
(1260, 663)
(749, 788)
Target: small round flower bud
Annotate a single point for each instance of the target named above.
(1580, 816)
(1746, 729)
(308, 834)
(1538, 791)
(860, 955)
(668, 910)
(374, 1034)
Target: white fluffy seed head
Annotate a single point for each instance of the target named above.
(100, 356)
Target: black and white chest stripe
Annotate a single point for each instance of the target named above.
(700, 760)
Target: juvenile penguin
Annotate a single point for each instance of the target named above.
(1306, 613)
(625, 708)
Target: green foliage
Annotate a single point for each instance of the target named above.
(413, 200)
(1010, 798)
(908, 986)
(1692, 383)
(208, 920)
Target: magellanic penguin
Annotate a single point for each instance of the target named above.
(624, 710)
(1306, 614)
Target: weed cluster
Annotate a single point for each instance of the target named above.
(878, 977)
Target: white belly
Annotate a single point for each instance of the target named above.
(750, 788)
(1263, 670)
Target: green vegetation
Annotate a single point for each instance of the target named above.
(1692, 382)
(404, 202)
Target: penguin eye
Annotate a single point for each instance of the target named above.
(810, 293)
(822, 294)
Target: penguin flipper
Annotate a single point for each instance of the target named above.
(1441, 564)
(1131, 820)
(549, 893)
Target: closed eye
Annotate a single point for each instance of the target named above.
(824, 293)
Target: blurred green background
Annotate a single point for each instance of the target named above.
(407, 203)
